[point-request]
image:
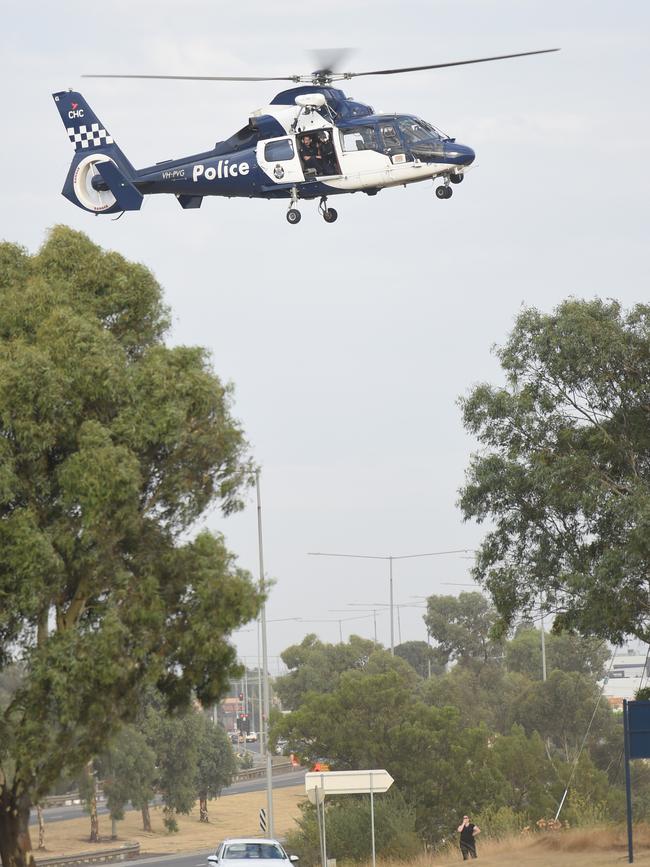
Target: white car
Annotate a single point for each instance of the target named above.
(251, 737)
(232, 852)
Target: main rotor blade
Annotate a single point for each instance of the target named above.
(327, 74)
(442, 65)
(327, 59)
(205, 77)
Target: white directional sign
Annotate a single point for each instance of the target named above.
(346, 783)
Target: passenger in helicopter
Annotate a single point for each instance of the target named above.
(312, 159)
(328, 154)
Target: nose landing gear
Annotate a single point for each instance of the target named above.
(444, 192)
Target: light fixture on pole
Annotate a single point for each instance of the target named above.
(339, 620)
(397, 606)
(390, 558)
(372, 612)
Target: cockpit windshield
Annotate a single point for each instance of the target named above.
(415, 130)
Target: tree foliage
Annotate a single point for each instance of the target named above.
(111, 447)
(422, 658)
(348, 830)
(564, 471)
(478, 738)
(128, 769)
(564, 652)
(315, 666)
(216, 763)
(461, 625)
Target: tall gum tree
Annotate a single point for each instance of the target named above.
(112, 445)
(563, 476)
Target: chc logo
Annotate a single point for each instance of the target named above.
(221, 170)
(79, 112)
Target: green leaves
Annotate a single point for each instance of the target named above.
(461, 626)
(111, 447)
(564, 473)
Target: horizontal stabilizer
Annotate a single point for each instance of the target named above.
(128, 198)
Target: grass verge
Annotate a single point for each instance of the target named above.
(233, 816)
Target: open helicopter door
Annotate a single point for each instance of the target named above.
(278, 158)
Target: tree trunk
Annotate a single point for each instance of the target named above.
(41, 827)
(203, 810)
(15, 842)
(92, 806)
(146, 819)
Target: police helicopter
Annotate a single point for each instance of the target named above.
(310, 142)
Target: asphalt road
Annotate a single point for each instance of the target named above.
(199, 859)
(281, 781)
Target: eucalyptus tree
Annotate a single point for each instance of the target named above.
(563, 475)
(112, 445)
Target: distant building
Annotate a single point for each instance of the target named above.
(629, 670)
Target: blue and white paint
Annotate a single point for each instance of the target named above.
(367, 153)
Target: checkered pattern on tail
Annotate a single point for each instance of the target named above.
(86, 137)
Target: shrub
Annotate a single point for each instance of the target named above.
(499, 823)
(348, 830)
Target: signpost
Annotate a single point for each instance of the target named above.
(318, 785)
(636, 738)
(263, 820)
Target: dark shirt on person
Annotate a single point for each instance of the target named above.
(467, 835)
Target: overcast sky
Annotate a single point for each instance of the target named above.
(349, 344)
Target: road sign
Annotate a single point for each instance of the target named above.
(347, 783)
(638, 715)
(318, 785)
(263, 820)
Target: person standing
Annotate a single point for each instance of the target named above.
(468, 832)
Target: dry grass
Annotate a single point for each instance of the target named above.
(238, 815)
(591, 847)
(233, 816)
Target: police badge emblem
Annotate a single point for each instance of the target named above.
(278, 171)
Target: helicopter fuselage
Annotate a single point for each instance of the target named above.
(310, 142)
(368, 152)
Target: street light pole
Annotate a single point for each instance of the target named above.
(390, 558)
(392, 623)
(265, 667)
(541, 609)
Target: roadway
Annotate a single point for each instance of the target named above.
(280, 781)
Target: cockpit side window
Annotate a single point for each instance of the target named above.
(390, 136)
(276, 151)
(358, 138)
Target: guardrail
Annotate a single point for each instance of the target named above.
(70, 800)
(95, 856)
(256, 773)
(73, 798)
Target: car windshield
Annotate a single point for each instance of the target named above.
(239, 851)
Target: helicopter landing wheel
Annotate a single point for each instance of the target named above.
(330, 215)
(443, 192)
(457, 179)
(293, 216)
